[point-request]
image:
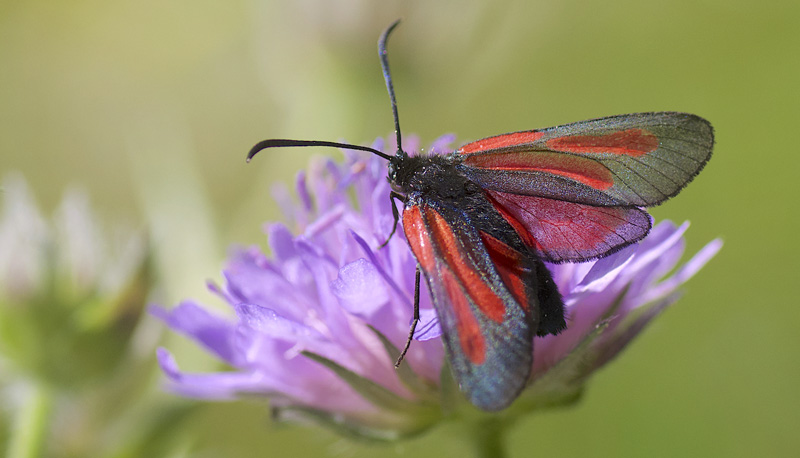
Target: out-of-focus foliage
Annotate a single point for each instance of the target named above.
(76, 360)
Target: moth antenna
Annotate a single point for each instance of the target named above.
(283, 143)
(387, 76)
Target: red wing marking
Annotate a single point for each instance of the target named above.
(630, 142)
(501, 141)
(566, 231)
(520, 228)
(481, 293)
(419, 238)
(580, 169)
(509, 265)
(469, 331)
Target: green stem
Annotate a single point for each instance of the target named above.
(31, 424)
(488, 437)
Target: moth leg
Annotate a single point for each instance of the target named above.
(413, 322)
(393, 197)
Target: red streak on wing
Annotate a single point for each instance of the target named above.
(481, 293)
(419, 238)
(631, 142)
(469, 331)
(567, 230)
(501, 141)
(520, 228)
(581, 169)
(509, 265)
(544, 217)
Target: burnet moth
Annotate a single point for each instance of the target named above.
(482, 220)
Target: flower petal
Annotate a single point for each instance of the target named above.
(685, 273)
(360, 288)
(218, 386)
(213, 332)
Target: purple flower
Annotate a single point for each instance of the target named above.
(317, 324)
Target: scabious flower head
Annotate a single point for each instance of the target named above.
(71, 293)
(316, 324)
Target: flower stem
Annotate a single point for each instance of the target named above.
(31, 424)
(488, 437)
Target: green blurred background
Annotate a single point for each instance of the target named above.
(152, 105)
